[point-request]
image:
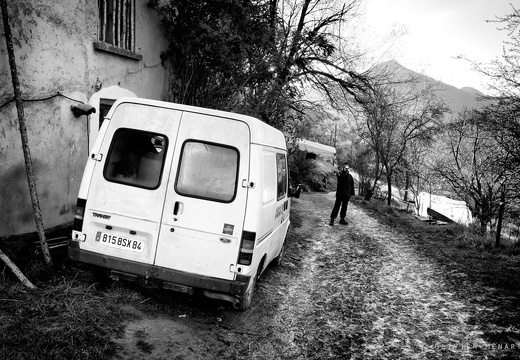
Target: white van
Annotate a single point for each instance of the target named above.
(191, 198)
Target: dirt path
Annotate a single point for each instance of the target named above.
(359, 291)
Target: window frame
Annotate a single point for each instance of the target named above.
(285, 180)
(111, 147)
(120, 26)
(181, 156)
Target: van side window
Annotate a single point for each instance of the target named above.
(136, 158)
(208, 171)
(281, 167)
(269, 178)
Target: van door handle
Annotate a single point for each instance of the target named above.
(177, 208)
(97, 157)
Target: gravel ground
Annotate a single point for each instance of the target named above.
(372, 289)
(369, 291)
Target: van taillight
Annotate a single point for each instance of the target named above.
(78, 215)
(247, 246)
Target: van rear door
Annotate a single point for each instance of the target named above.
(129, 182)
(206, 197)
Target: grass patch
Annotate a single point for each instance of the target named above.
(474, 268)
(66, 318)
(464, 237)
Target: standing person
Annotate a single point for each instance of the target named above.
(344, 191)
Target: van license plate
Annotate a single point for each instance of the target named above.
(119, 242)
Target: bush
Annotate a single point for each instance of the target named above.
(313, 174)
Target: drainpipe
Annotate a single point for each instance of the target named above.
(23, 133)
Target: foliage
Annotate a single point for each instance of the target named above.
(311, 173)
(363, 159)
(499, 124)
(260, 57)
(215, 48)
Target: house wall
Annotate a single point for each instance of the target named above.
(58, 67)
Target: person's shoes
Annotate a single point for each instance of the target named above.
(331, 222)
(343, 222)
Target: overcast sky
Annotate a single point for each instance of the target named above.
(435, 31)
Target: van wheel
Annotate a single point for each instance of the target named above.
(279, 259)
(247, 299)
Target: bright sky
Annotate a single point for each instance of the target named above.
(436, 31)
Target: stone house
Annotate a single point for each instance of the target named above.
(68, 53)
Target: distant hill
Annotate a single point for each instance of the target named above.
(456, 99)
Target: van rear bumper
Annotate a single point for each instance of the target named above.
(237, 287)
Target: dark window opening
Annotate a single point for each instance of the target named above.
(104, 107)
(136, 158)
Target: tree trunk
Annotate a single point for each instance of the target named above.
(15, 269)
(500, 216)
(406, 185)
(23, 133)
(389, 198)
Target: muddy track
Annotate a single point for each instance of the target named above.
(359, 291)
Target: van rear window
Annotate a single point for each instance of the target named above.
(208, 171)
(136, 158)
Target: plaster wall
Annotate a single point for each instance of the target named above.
(58, 67)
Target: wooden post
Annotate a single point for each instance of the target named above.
(104, 24)
(124, 26)
(132, 26)
(23, 133)
(114, 22)
(15, 269)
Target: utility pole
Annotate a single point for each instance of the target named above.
(23, 133)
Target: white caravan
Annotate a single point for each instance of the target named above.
(191, 198)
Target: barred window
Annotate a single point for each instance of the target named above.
(117, 23)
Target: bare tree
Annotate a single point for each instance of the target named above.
(261, 57)
(471, 166)
(397, 117)
(501, 124)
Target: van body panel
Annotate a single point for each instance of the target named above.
(267, 211)
(121, 217)
(205, 201)
(189, 196)
(146, 272)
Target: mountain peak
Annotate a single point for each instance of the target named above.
(472, 90)
(456, 99)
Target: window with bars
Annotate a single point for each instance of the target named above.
(117, 23)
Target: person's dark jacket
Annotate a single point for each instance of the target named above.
(345, 187)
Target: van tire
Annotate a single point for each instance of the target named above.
(279, 259)
(247, 299)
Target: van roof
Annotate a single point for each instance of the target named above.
(261, 133)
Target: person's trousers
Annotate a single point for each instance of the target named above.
(340, 203)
